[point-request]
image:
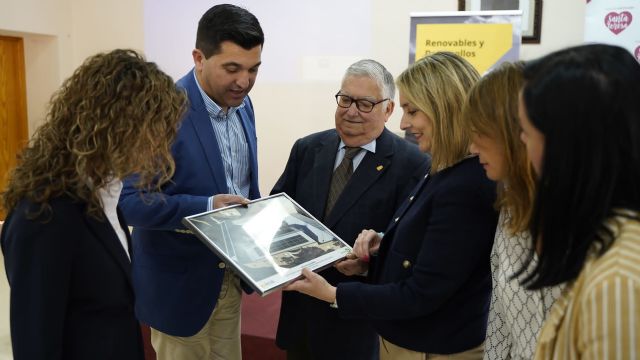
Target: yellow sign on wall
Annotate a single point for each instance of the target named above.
(481, 44)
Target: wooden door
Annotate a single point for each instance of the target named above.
(13, 105)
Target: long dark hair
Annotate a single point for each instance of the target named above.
(585, 100)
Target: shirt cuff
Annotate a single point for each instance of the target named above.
(334, 304)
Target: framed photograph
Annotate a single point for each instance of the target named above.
(269, 241)
(531, 14)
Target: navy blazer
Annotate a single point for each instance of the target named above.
(71, 291)
(176, 277)
(432, 269)
(377, 187)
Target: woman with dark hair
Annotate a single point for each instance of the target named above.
(580, 119)
(66, 248)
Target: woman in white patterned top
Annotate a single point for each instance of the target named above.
(516, 314)
(580, 119)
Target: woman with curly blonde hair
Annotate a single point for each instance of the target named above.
(66, 249)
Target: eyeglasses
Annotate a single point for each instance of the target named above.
(364, 105)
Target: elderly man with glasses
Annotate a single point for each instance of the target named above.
(352, 178)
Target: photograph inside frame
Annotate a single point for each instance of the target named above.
(269, 241)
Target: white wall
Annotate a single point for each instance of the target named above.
(562, 26)
(58, 35)
(45, 28)
(308, 46)
(99, 25)
(305, 53)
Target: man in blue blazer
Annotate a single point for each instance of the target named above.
(183, 291)
(383, 170)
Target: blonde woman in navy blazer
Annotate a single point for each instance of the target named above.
(429, 275)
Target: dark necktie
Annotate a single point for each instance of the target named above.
(340, 177)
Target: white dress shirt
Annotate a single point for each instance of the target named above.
(110, 195)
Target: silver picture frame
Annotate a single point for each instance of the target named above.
(269, 241)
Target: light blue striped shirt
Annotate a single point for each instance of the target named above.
(232, 144)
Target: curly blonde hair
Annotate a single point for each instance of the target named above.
(116, 115)
(492, 111)
(437, 85)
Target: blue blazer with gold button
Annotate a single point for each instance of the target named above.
(177, 279)
(432, 273)
(379, 184)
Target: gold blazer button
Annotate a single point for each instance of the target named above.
(406, 264)
(222, 265)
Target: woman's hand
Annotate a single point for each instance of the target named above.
(352, 265)
(367, 243)
(313, 285)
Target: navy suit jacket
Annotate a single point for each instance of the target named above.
(432, 269)
(176, 277)
(71, 291)
(376, 188)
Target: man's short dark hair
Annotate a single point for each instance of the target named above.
(227, 22)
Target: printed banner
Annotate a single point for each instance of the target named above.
(615, 22)
(484, 38)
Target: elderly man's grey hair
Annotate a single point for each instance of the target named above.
(374, 70)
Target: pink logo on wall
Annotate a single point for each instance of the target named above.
(617, 22)
(637, 52)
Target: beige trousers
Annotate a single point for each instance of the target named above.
(218, 339)
(389, 351)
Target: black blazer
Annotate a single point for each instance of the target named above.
(433, 266)
(379, 184)
(71, 292)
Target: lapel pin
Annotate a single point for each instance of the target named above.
(379, 167)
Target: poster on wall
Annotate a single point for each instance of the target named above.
(615, 22)
(484, 38)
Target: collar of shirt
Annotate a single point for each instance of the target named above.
(214, 110)
(371, 147)
(110, 195)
